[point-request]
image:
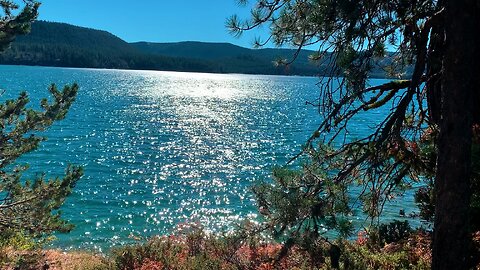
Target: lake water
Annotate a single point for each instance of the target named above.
(162, 149)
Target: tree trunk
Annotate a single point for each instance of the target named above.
(434, 69)
(451, 240)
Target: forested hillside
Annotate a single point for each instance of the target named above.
(231, 58)
(59, 44)
(64, 45)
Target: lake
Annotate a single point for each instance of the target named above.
(162, 149)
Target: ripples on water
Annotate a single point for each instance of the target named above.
(164, 148)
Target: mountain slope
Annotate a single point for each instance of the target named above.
(60, 44)
(192, 49)
(232, 58)
(74, 36)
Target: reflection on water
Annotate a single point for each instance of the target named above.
(165, 148)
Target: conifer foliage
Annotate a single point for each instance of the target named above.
(425, 134)
(30, 206)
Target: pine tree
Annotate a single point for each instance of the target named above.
(30, 206)
(426, 136)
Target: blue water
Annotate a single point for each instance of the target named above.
(161, 149)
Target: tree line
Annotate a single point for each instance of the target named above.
(64, 45)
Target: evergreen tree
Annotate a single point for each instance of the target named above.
(426, 136)
(29, 206)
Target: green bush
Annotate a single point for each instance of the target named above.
(364, 258)
(395, 231)
(392, 232)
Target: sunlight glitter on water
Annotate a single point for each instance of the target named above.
(161, 149)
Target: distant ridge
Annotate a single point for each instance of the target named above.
(65, 45)
(232, 58)
(193, 49)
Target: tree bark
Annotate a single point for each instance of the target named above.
(434, 68)
(451, 240)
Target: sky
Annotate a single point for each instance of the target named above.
(154, 20)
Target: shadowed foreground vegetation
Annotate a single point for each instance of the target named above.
(393, 247)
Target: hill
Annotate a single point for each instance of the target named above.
(235, 59)
(64, 45)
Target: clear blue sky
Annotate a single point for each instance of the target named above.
(153, 20)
